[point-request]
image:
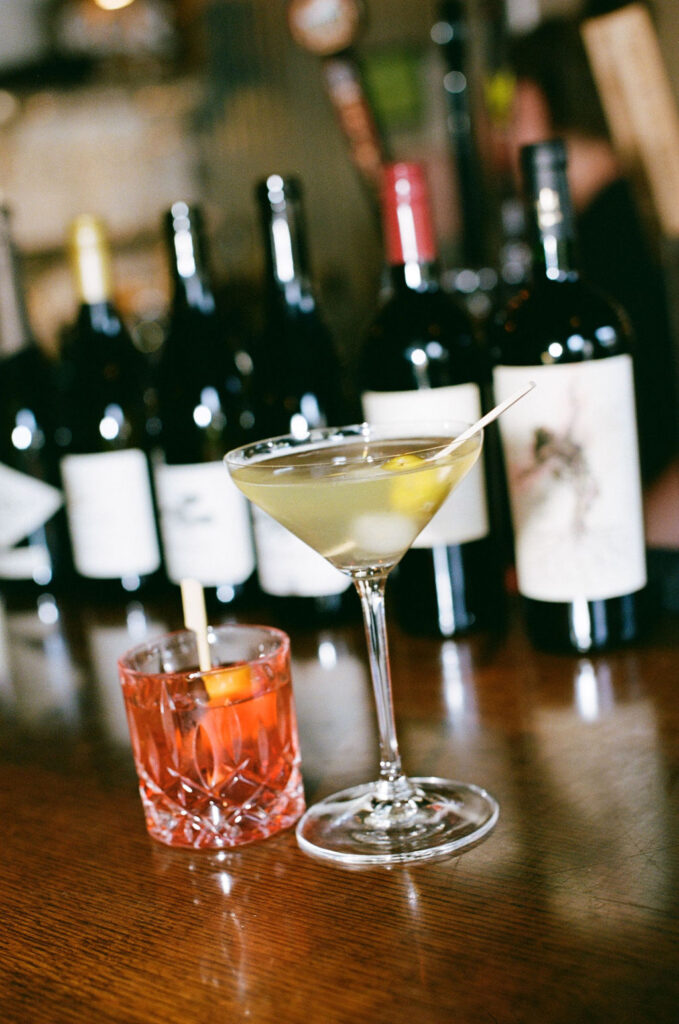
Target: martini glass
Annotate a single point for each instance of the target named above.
(359, 495)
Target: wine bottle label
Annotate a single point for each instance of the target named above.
(205, 524)
(287, 567)
(26, 504)
(27, 562)
(572, 462)
(463, 517)
(110, 514)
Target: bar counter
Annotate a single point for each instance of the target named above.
(568, 911)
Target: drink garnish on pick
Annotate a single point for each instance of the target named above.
(407, 494)
(195, 619)
(229, 683)
(488, 418)
(411, 493)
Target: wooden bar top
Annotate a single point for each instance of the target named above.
(568, 912)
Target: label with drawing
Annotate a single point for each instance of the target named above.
(572, 461)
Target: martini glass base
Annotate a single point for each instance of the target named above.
(359, 827)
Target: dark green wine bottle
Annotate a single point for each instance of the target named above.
(102, 433)
(204, 406)
(33, 548)
(297, 387)
(421, 360)
(571, 448)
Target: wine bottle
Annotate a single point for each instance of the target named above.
(571, 449)
(33, 556)
(297, 386)
(452, 33)
(102, 432)
(422, 360)
(204, 409)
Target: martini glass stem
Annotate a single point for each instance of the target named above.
(393, 785)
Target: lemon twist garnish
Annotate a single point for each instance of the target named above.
(399, 462)
(412, 493)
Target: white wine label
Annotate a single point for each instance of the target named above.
(205, 524)
(26, 504)
(463, 516)
(287, 567)
(28, 562)
(110, 514)
(572, 461)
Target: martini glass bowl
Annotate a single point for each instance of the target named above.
(359, 495)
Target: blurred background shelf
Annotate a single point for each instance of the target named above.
(119, 112)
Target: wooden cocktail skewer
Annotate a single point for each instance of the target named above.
(230, 683)
(485, 420)
(195, 618)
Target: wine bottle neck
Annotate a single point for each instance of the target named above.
(187, 250)
(90, 259)
(15, 332)
(101, 317)
(452, 32)
(414, 276)
(555, 259)
(551, 215)
(410, 244)
(194, 292)
(287, 260)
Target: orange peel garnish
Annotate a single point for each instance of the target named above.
(229, 683)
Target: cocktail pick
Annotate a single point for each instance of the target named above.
(195, 618)
(485, 420)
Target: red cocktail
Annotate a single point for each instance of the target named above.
(217, 752)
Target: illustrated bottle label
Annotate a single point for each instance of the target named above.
(572, 461)
(287, 567)
(205, 524)
(110, 514)
(463, 517)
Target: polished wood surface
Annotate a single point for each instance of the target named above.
(568, 912)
